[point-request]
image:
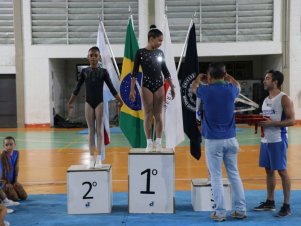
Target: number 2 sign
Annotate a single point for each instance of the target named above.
(89, 190)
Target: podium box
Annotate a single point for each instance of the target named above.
(151, 181)
(202, 197)
(89, 191)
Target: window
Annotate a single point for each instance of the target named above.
(6, 22)
(76, 21)
(222, 20)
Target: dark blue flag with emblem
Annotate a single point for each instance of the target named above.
(189, 71)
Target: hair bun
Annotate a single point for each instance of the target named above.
(153, 27)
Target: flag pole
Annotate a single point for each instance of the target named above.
(131, 15)
(185, 43)
(130, 9)
(132, 20)
(110, 48)
(165, 16)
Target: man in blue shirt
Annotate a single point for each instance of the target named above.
(218, 129)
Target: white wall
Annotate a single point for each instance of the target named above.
(57, 87)
(7, 59)
(295, 56)
(274, 62)
(71, 80)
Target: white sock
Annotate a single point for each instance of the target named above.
(149, 141)
(158, 140)
(98, 157)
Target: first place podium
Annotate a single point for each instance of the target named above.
(151, 181)
(89, 191)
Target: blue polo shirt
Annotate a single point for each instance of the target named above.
(218, 103)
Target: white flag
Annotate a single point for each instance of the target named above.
(107, 96)
(173, 119)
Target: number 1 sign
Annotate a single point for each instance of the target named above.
(89, 190)
(151, 181)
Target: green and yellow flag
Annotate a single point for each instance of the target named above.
(131, 114)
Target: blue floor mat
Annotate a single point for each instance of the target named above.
(51, 210)
(112, 130)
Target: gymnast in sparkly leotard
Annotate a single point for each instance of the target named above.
(153, 65)
(94, 78)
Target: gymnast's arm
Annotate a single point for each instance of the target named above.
(167, 76)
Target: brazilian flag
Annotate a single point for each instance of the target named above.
(131, 113)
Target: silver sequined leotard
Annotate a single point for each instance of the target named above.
(152, 63)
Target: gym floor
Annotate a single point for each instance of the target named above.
(46, 154)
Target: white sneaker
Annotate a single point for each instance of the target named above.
(159, 147)
(149, 147)
(6, 223)
(91, 163)
(98, 163)
(8, 202)
(9, 211)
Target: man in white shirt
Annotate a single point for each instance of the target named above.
(279, 112)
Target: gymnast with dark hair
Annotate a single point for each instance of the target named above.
(152, 61)
(94, 77)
